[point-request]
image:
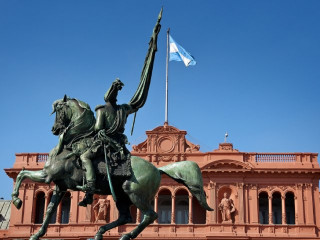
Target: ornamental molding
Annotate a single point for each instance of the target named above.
(228, 165)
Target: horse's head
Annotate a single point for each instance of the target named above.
(63, 115)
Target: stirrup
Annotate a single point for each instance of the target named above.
(86, 188)
(89, 187)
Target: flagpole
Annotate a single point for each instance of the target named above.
(167, 69)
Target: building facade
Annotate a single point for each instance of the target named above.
(255, 196)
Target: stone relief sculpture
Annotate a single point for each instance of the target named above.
(226, 208)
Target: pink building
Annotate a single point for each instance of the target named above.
(255, 196)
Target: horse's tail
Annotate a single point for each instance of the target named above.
(188, 173)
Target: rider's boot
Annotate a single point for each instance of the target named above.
(89, 187)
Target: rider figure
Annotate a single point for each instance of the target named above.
(110, 123)
(109, 127)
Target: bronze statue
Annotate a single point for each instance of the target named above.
(109, 128)
(95, 149)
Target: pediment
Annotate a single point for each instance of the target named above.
(227, 165)
(166, 140)
(166, 129)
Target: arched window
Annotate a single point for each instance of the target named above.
(276, 208)
(40, 199)
(65, 208)
(164, 207)
(182, 207)
(290, 208)
(263, 208)
(54, 214)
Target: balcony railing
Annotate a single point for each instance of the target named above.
(42, 157)
(275, 157)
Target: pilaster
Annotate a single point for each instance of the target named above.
(212, 201)
(270, 209)
(156, 206)
(190, 210)
(241, 203)
(30, 203)
(300, 204)
(309, 204)
(138, 219)
(283, 209)
(173, 209)
(253, 199)
(74, 208)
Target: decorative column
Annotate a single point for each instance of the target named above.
(299, 205)
(246, 203)
(253, 197)
(74, 208)
(270, 209)
(173, 209)
(283, 208)
(46, 199)
(138, 216)
(240, 194)
(315, 193)
(190, 210)
(19, 215)
(212, 202)
(29, 206)
(156, 207)
(309, 204)
(59, 213)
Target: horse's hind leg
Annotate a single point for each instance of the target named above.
(36, 176)
(123, 206)
(148, 216)
(52, 207)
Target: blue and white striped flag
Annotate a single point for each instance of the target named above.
(178, 53)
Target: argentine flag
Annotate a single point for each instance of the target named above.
(177, 53)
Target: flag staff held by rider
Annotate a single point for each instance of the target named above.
(175, 53)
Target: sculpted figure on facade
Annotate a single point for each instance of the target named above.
(101, 209)
(226, 208)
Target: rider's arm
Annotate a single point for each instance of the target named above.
(99, 120)
(129, 108)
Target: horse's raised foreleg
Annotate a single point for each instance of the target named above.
(52, 207)
(36, 176)
(148, 216)
(124, 218)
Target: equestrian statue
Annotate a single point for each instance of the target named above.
(91, 156)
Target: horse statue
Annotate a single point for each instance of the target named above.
(64, 169)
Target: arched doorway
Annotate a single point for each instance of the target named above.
(164, 206)
(54, 214)
(65, 208)
(263, 208)
(290, 208)
(182, 207)
(40, 201)
(276, 208)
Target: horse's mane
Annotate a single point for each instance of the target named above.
(82, 125)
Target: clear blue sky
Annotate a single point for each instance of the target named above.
(257, 73)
